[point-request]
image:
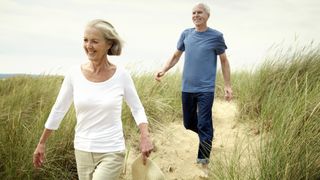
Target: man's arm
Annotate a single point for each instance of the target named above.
(226, 76)
(169, 64)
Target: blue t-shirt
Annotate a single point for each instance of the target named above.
(201, 50)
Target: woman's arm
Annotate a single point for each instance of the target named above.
(39, 153)
(58, 111)
(132, 99)
(146, 146)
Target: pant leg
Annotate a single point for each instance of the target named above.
(205, 125)
(109, 165)
(189, 107)
(85, 164)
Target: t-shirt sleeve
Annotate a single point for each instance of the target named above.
(61, 105)
(132, 99)
(180, 44)
(221, 45)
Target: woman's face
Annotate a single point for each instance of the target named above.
(95, 45)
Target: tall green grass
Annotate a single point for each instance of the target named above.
(283, 98)
(289, 107)
(25, 103)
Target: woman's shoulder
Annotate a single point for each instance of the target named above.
(123, 73)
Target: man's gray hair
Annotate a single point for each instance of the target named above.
(205, 7)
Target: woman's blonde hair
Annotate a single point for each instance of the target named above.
(110, 34)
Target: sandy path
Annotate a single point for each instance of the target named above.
(176, 147)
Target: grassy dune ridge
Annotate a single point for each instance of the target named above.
(288, 104)
(281, 98)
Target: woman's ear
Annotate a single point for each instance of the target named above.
(109, 42)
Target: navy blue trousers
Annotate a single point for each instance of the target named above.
(197, 117)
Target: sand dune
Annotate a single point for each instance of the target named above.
(176, 147)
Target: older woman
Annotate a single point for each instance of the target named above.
(97, 88)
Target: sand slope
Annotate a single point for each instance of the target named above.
(176, 147)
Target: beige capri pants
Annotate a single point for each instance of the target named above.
(99, 166)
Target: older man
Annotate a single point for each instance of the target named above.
(201, 45)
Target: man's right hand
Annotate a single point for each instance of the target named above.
(228, 94)
(158, 75)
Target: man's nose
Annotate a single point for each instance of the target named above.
(89, 45)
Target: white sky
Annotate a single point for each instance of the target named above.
(39, 36)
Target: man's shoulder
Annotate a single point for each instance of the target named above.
(214, 32)
(188, 30)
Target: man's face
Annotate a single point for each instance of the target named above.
(199, 16)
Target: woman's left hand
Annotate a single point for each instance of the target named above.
(146, 147)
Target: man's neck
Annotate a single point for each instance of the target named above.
(201, 28)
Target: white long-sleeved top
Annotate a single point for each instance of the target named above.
(98, 109)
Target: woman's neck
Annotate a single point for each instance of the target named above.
(97, 67)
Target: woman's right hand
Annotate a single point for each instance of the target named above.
(39, 156)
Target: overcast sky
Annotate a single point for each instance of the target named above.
(45, 37)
